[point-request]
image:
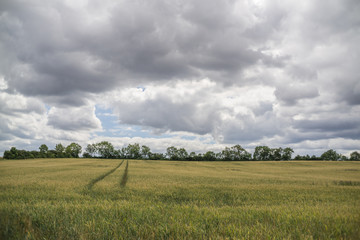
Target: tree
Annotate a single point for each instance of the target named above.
(226, 154)
(145, 152)
(59, 150)
(240, 154)
(43, 150)
(331, 155)
(35, 154)
(172, 153)
(105, 149)
(73, 150)
(287, 152)
(119, 154)
(90, 150)
(262, 153)
(12, 154)
(355, 156)
(209, 156)
(276, 154)
(235, 153)
(156, 156)
(196, 157)
(182, 154)
(132, 151)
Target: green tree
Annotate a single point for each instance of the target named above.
(132, 151)
(59, 150)
(276, 154)
(105, 149)
(240, 153)
(193, 156)
(172, 153)
(157, 156)
(287, 152)
(262, 153)
(355, 156)
(145, 152)
(43, 150)
(182, 154)
(235, 153)
(209, 156)
(226, 154)
(331, 155)
(35, 154)
(73, 150)
(12, 154)
(90, 150)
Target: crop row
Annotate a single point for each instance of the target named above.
(102, 176)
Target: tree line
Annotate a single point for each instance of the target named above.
(73, 150)
(105, 149)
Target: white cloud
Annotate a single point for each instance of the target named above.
(237, 72)
(74, 119)
(200, 107)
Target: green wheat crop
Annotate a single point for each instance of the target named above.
(44, 199)
(125, 176)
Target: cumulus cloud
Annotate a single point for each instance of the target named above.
(250, 72)
(56, 49)
(292, 93)
(201, 107)
(74, 119)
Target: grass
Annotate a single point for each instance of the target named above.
(45, 199)
(125, 176)
(102, 176)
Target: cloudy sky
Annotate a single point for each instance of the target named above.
(189, 73)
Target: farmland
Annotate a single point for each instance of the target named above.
(131, 199)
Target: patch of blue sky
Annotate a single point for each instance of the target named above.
(188, 137)
(142, 88)
(108, 120)
(207, 140)
(47, 107)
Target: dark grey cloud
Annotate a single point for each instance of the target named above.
(333, 124)
(349, 89)
(56, 50)
(302, 73)
(200, 108)
(163, 114)
(291, 94)
(10, 130)
(70, 55)
(6, 133)
(263, 108)
(331, 128)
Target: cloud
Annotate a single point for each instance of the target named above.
(201, 107)
(74, 119)
(237, 71)
(291, 93)
(12, 104)
(335, 127)
(55, 49)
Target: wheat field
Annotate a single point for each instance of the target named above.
(140, 199)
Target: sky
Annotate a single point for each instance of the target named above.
(196, 74)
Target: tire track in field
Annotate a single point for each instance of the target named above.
(125, 176)
(101, 177)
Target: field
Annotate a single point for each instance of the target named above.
(136, 199)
